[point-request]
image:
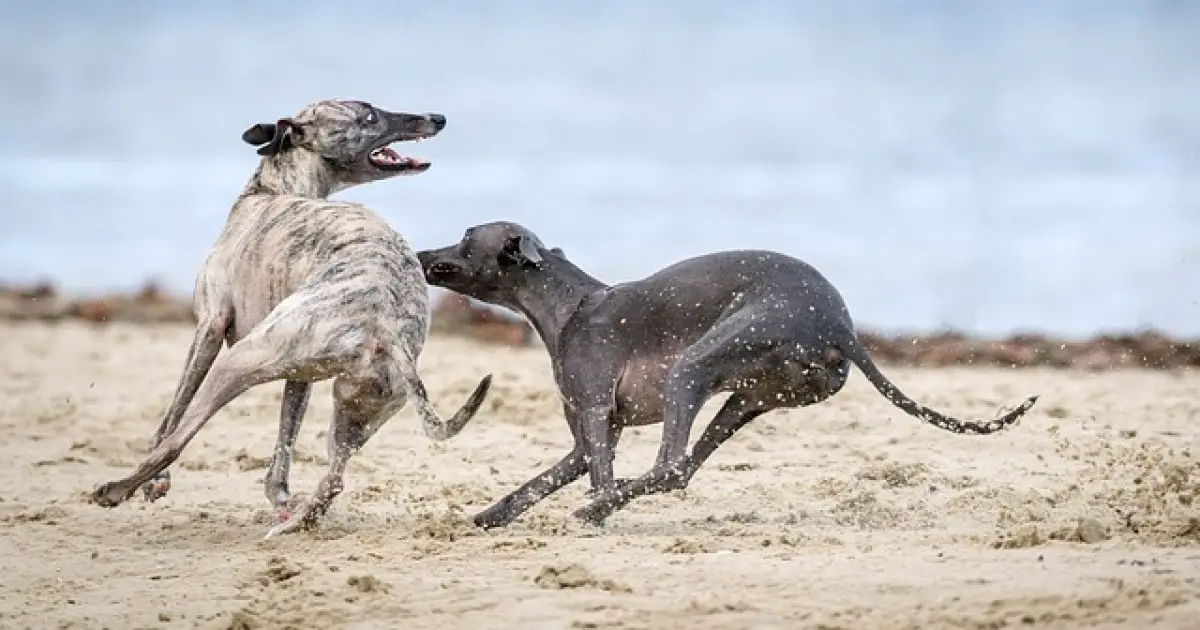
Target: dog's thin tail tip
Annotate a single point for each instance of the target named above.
(1002, 422)
(477, 397)
(1022, 408)
(439, 430)
(475, 400)
(1011, 418)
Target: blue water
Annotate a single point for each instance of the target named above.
(991, 166)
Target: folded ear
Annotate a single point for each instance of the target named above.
(557, 251)
(523, 250)
(277, 137)
(259, 134)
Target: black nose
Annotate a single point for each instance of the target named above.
(438, 120)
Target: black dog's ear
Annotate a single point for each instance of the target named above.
(277, 137)
(523, 250)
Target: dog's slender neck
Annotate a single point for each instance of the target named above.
(552, 295)
(293, 172)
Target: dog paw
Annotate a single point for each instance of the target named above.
(110, 495)
(489, 519)
(290, 522)
(593, 513)
(156, 489)
(286, 527)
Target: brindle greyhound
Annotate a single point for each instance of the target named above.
(764, 326)
(305, 289)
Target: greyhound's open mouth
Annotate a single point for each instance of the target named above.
(386, 159)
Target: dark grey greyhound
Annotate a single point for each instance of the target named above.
(762, 325)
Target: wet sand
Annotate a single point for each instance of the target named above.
(844, 515)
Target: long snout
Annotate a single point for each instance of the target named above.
(426, 258)
(429, 258)
(405, 126)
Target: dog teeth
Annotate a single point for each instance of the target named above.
(385, 155)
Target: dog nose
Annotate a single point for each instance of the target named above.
(438, 120)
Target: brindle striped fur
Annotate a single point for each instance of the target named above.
(304, 289)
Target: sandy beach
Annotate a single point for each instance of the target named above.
(848, 514)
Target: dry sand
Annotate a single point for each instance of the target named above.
(848, 514)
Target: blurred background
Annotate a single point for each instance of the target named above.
(989, 166)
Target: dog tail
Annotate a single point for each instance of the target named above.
(857, 354)
(435, 426)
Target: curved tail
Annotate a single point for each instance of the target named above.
(858, 355)
(436, 428)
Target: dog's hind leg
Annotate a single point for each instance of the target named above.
(360, 406)
(737, 412)
(291, 416)
(249, 362)
(206, 344)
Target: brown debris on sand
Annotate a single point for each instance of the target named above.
(43, 302)
(1145, 349)
(458, 315)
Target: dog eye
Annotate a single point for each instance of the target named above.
(371, 118)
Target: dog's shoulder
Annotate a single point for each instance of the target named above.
(601, 310)
(349, 210)
(273, 211)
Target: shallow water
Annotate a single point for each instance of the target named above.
(989, 166)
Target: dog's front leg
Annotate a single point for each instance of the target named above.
(549, 481)
(600, 434)
(564, 472)
(688, 385)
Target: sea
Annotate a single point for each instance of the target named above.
(987, 166)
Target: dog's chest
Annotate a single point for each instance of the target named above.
(639, 394)
(636, 401)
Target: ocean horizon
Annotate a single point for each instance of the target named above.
(985, 167)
